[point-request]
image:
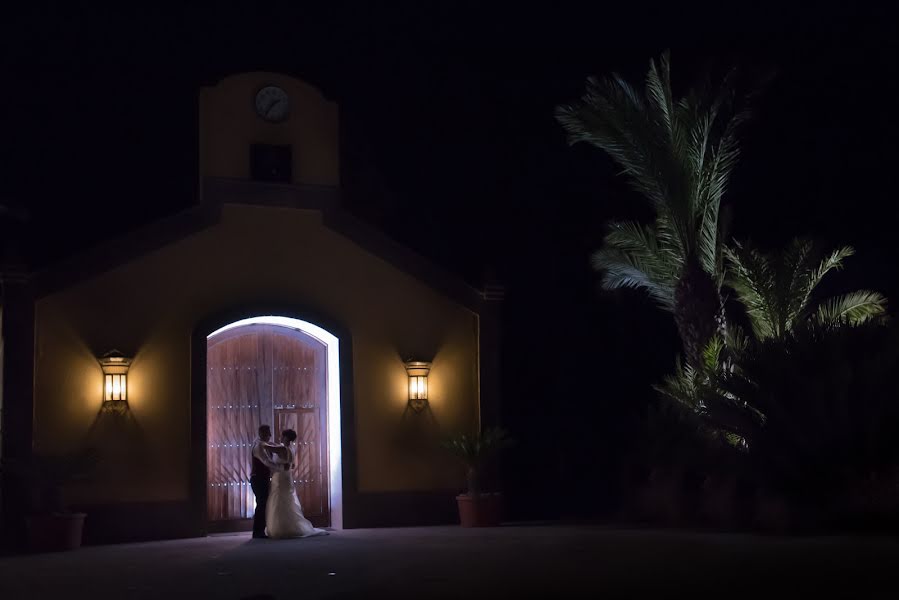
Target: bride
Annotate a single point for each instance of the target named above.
(283, 513)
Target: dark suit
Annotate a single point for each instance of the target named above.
(260, 480)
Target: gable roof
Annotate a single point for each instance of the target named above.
(216, 193)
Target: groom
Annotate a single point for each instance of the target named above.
(260, 478)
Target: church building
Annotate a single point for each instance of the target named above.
(266, 302)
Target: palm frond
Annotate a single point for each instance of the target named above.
(853, 308)
(633, 257)
(682, 387)
(630, 270)
(714, 178)
(793, 275)
(830, 263)
(612, 116)
(749, 275)
(658, 91)
(777, 292)
(711, 355)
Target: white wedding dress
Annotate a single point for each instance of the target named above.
(283, 513)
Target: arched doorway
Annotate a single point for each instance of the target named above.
(283, 372)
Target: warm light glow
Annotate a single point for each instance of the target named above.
(116, 387)
(115, 376)
(418, 383)
(418, 388)
(334, 442)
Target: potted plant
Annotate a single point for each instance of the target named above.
(476, 508)
(51, 525)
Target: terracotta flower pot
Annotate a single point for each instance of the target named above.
(56, 532)
(483, 510)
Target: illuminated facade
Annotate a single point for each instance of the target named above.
(264, 303)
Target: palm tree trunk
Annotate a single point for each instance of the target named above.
(697, 310)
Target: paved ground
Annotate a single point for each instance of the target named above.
(450, 562)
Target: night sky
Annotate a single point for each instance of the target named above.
(450, 111)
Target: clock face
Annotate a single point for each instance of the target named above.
(272, 104)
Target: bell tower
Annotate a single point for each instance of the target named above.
(268, 127)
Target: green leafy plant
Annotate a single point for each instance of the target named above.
(475, 450)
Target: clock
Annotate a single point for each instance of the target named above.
(272, 104)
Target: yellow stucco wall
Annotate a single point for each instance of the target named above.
(151, 305)
(229, 125)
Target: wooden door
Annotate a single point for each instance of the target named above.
(300, 403)
(265, 374)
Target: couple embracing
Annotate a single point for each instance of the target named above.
(278, 511)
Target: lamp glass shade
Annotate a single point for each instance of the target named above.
(115, 376)
(418, 387)
(418, 379)
(116, 387)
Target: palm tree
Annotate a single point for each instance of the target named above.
(679, 154)
(777, 291)
(726, 389)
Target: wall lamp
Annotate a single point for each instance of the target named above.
(418, 383)
(115, 376)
